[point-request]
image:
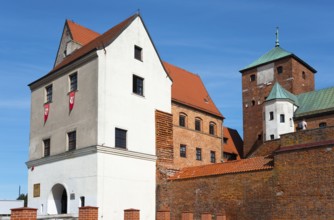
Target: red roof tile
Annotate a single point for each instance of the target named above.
(235, 166)
(189, 89)
(81, 34)
(234, 143)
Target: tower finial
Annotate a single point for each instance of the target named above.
(277, 40)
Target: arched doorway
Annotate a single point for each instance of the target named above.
(57, 201)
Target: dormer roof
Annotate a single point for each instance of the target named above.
(81, 34)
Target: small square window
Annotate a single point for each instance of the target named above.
(282, 118)
(138, 85)
(72, 140)
(120, 138)
(138, 53)
(322, 125)
(197, 124)
(182, 120)
(183, 150)
(46, 144)
(212, 128)
(213, 156)
(252, 77)
(198, 154)
(73, 82)
(279, 70)
(48, 92)
(271, 116)
(225, 139)
(272, 137)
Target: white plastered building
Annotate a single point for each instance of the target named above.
(99, 150)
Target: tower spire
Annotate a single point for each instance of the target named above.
(277, 40)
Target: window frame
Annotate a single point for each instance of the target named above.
(47, 147)
(48, 93)
(138, 53)
(271, 116)
(282, 118)
(121, 141)
(183, 150)
(72, 140)
(212, 128)
(322, 124)
(198, 124)
(279, 70)
(137, 85)
(198, 153)
(184, 120)
(213, 156)
(73, 84)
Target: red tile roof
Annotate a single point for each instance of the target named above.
(99, 42)
(189, 89)
(235, 166)
(234, 143)
(81, 34)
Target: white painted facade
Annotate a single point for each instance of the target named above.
(110, 178)
(275, 126)
(265, 74)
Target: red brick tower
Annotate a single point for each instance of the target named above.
(290, 71)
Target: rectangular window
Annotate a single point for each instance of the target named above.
(271, 116)
(138, 85)
(279, 70)
(252, 77)
(183, 150)
(272, 137)
(213, 156)
(197, 124)
(48, 92)
(182, 120)
(225, 140)
(212, 128)
(120, 138)
(198, 154)
(82, 201)
(73, 82)
(72, 140)
(138, 53)
(282, 118)
(46, 143)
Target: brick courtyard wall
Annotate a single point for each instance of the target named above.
(23, 214)
(300, 186)
(131, 214)
(267, 148)
(163, 215)
(88, 213)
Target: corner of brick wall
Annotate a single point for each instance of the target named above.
(131, 214)
(23, 214)
(88, 213)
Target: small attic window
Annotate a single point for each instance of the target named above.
(225, 139)
(252, 77)
(138, 53)
(279, 70)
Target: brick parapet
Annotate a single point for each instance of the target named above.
(23, 214)
(131, 214)
(88, 213)
(163, 215)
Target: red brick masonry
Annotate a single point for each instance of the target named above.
(23, 214)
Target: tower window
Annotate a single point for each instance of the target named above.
(138, 85)
(138, 53)
(279, 70)
(213, 156)
(271, 116)
(183, 150)
(252, 77)
(46, 143)
(120, 138)
(282, 118)
(304, 75)
(198, 154)
(72, 140)
(198, 124)
(48, 93)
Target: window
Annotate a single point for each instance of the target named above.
(225, 139)
(322, 125)
(282, 118)
(272, 137)
(46, 143)
(212, 129)
(229, 156)
(252, 77)
(271, 116)
(253, 102)
(48, 92)
(259, 137)
(82, 201)
(138, 85)
(183, 150)
(213, 156)
(182, 120)
(120, 138)
(72, 140)
(73, 82)
(198, 154)
(279, 70)
(138, 53)
(198, 123)
(304, 75)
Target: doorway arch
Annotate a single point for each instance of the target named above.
(57, 200)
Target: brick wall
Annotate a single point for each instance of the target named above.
(195, 139)
(300, 186)
(314, 122)
(23, 214)
(88, 213)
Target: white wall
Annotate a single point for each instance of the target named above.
(6, 205)
(274, 126)
(265, 74)
(78, 175)
(118, 106)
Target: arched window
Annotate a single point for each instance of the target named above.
(212, 128)
(198, 124)
(182, 119)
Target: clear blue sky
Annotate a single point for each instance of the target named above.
(214, 39)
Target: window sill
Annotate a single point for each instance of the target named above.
(138, 95)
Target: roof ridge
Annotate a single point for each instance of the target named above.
(194, 74)
(75, 23)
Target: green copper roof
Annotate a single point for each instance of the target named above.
(274, 54)
(315, 102)
(278, 92)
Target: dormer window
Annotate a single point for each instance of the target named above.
(138, 53)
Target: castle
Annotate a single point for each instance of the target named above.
(114, 126)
